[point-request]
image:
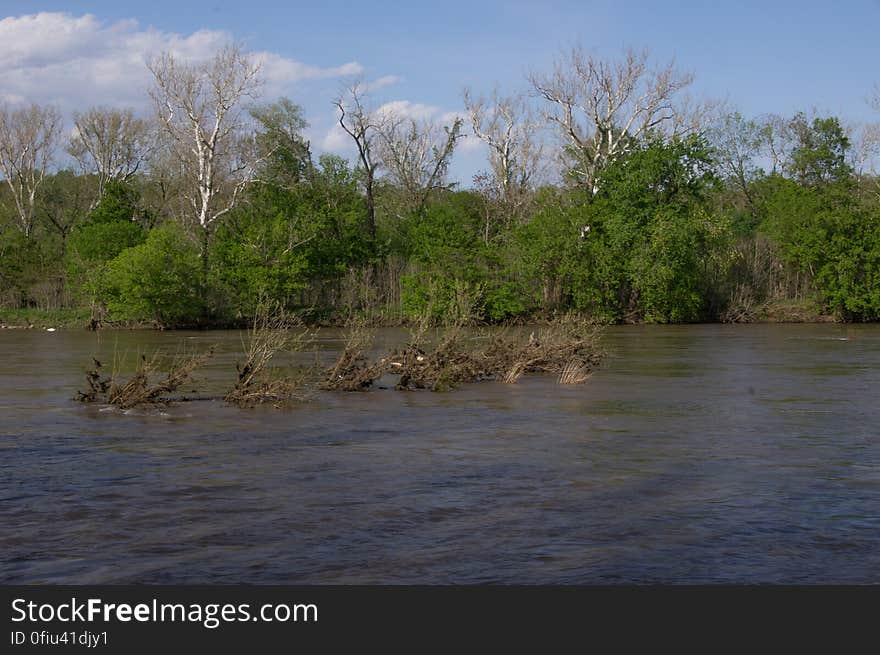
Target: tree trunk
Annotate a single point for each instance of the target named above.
(62, 277)
(203, 284)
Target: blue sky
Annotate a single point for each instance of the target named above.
(762, 57)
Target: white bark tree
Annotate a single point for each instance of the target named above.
(110, 143)
(200, 111)
(601, 106)
(28, 139)
(508, 128)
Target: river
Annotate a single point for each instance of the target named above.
(697, 454)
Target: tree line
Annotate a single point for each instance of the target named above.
(607, 190)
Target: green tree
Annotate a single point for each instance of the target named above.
(652, 233)
(280, 145)
(285, 238)
(819, 155)
(157, 280)
(108, 230)
(850, 276)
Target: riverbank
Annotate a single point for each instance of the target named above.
(42, 319)
(784, 311)
(81, 318)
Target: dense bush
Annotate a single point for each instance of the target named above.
(155, 281)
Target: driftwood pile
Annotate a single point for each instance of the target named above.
(566, 347)
(449, 365)
(256, 382)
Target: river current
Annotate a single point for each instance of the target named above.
(696, 454)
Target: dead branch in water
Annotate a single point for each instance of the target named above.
(352, 371)
(98, 385)
(269, 334)
(141, 388)
(577, 371)
(567, 346)
(449, 365)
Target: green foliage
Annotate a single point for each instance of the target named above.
(155, 281)
(64, 200)
(118, 204)
(284, 238)
(280, 143)
(97, 243)
(24, 263)
(850, 276)
(668, 230)
(639, 247)
(503, 302)
(442, 300)
(459, 277)
(259, 251)
(108, 231)
(819, 156)
(672, 269)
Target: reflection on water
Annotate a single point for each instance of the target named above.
(700, 454)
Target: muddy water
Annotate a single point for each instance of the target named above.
(699, 454)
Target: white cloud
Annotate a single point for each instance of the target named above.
(380, 83)
(336, 141)
(77, 62)
(407, 109)
(280, 72)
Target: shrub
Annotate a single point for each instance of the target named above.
(155, 281)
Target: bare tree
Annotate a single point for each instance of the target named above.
(738, 142)
(110, 143)
(363, 126)
(164, 190)
(507, 126)
(864, 147)
(417, 154)
(777, 140)
(868, 146)
(601, 107)
(28, 139)
(696, 116)
(200, 110)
